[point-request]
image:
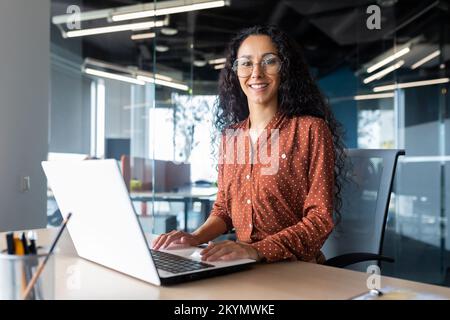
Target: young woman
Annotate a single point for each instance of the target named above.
(268, 98)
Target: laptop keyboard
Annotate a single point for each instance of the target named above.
(176, 264)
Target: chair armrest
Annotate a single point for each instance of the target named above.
(345, 260)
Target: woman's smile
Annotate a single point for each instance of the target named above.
(259, 87)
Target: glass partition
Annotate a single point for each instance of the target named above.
(417, 233)
(392, 92)
(181, 121)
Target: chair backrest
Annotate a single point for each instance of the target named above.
(168, 176)
(365, 194)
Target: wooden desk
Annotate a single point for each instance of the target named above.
(77, 278)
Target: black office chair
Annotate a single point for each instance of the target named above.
(366, 191)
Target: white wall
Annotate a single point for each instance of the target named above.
(24, 103)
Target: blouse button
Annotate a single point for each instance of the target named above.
(248, 177)
(283, 156)
(249, 201)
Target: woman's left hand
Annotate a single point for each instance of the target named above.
(229, 250)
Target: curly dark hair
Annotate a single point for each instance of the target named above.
(298, 94)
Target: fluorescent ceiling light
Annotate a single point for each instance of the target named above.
(411, 84)
(374, 96)
(219, 66)
(172, 84)
(133, 9)
(163, 82)
(426, 59)
(169, 10)
(161, 48)
(216, 61)
(385, 61)
(383, 72)
(199, 63)
(82, 16)
(129, 74)
(113, 76)
(117, 28)
(141, 36)
(163, 77)
(169, 31)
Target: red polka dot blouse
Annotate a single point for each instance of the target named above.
(277, 193)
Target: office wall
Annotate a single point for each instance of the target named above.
(24, 103)
(343, 83)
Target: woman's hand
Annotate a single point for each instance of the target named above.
(175, 239)
(229, 250)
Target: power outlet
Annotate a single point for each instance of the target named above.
(25, 184)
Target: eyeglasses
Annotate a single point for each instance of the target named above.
(243, 67)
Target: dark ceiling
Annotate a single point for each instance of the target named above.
(332, 33)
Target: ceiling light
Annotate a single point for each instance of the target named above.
(216, 61)
(161, 48)
(197, 5)
(385, 61)
(169, 31)
(172, 84)
(163, 82)
(200, 63)
(384, 72)
(129, 74)
(411, 84)
(116, 28)
(374, 96)
(159, 8)
(386, 3)
(82, 16)
(219, 66)
(141, 36)
(163, 77)
(426, 59)
(113, 76)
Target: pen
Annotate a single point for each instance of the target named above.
(32, 247)
(20, 251)
(36, 293)
(18, 246)
(24, 241)
(10, 243)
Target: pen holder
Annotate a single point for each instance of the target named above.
(17, 271)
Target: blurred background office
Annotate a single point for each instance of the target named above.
(139, 85)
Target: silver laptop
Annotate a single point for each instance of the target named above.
(105, 228)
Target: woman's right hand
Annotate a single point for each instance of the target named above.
(175, 240)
